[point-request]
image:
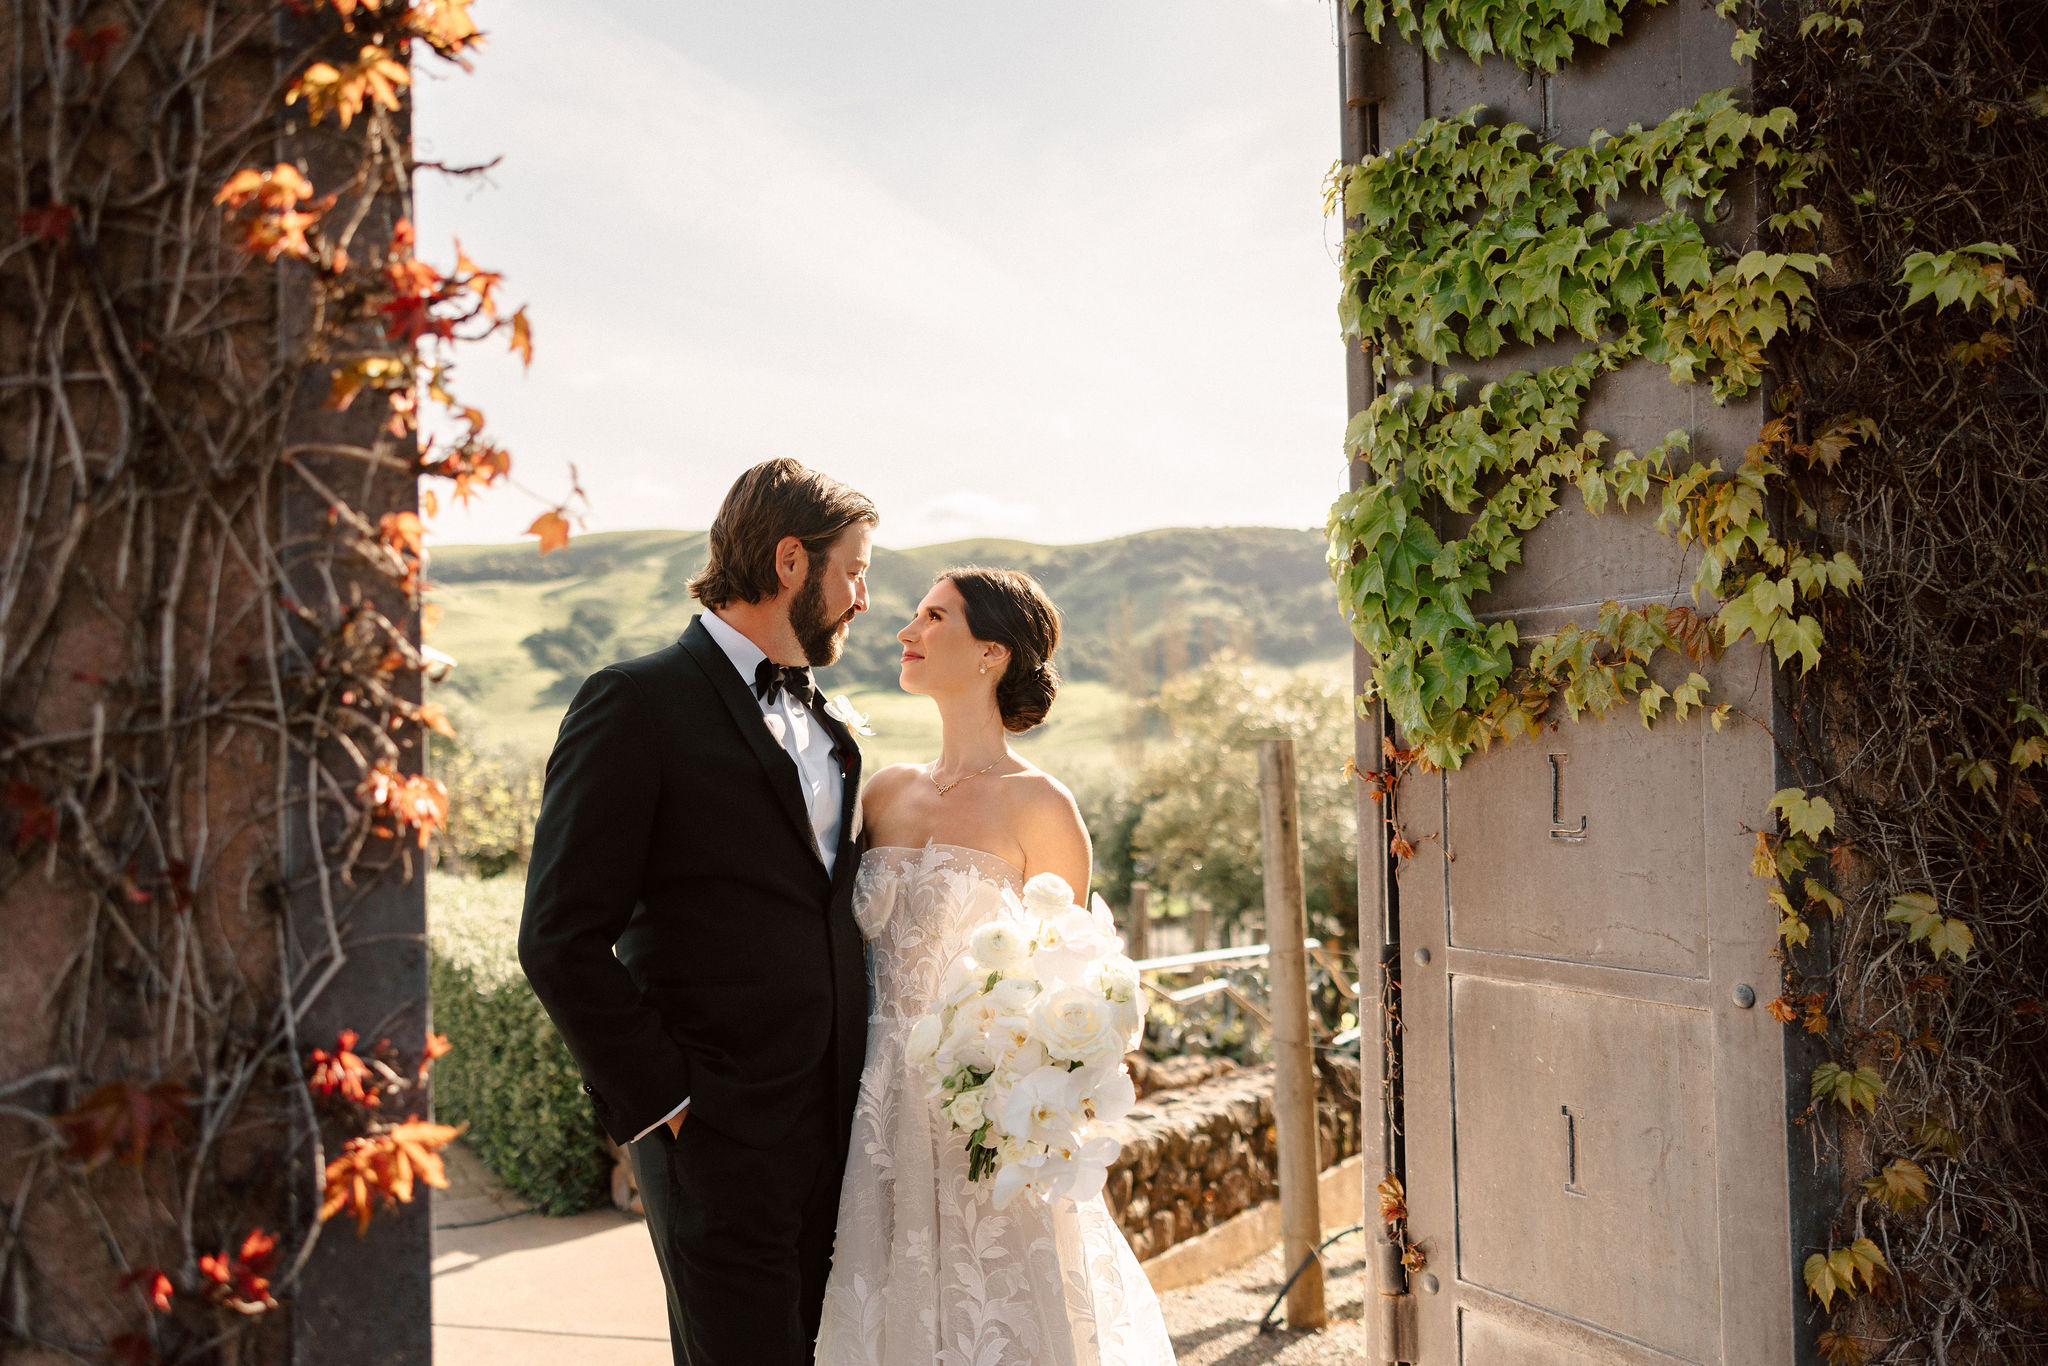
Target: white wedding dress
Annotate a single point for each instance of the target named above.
(925, 1270)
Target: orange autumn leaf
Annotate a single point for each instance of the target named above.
(402, 531)
(125, 1116)
(280, 187)
(522, 337)
(434, 719)
(445, 25)
(373, 78)
(414, 800)
(383, 1167)
(553, 530)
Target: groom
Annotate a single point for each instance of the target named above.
(689, 921)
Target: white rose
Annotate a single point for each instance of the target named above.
(1048, 894)
(965, 1110)
(1077, 1025)
(999, 944)
(923, 1042)
(1011, 1149)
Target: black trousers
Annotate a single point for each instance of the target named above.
(744, 1235)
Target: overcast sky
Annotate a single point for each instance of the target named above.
(1054, 270)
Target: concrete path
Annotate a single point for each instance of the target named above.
(519, 1289)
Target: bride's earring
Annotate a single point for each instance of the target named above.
(984, 666)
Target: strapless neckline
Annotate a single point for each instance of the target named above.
(930, 845)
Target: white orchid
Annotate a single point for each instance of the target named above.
(840, 709)
(1104, 1093)
(1044, 1105)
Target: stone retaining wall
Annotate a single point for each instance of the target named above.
(1194, 1157)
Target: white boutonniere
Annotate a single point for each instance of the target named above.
(841, 710)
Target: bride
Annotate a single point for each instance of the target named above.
(925, 1269)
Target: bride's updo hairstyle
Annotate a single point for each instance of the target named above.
(1007, 608)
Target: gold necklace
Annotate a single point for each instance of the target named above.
(944, 788)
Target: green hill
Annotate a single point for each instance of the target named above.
(526, 630)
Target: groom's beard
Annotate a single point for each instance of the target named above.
(821, 636)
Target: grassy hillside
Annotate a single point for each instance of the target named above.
(526, 630)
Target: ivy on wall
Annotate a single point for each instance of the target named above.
(1470, 238)
(1529, 33)
(1908, 422)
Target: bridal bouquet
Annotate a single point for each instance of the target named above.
(1024, 1044)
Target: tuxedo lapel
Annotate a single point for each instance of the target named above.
(843, 743)
(746, 714)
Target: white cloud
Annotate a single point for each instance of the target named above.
(1106, 328)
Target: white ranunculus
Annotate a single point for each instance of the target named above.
(925, 1037)
(1078, 1025)
(999, 944)
(965, 1109)
(1048, 894)
(1043, 1105)
(1013, 994)
(1106, 1092)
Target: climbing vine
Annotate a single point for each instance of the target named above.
(1533, 33)
(1891, 510)
(224, 370)
(1471, 237)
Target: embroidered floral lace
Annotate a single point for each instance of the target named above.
(925, 1269)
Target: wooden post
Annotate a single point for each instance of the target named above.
(1138, 927)
(1294, 1071)
(1198, 921)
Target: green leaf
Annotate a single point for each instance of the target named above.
(1901, 1186)
(1848, 1089)
(1804, 815)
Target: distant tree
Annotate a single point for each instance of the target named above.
(574, 651)
(1199, 830)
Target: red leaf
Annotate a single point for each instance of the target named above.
(155, 1285)
(48, 221)
(95, 47)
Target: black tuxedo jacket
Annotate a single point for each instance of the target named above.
(680, 927)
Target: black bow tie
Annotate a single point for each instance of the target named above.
(771, 678)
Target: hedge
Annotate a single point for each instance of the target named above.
(508, 1076)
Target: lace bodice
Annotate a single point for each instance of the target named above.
(917, 907)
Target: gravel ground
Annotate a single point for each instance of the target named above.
(1216, 1323)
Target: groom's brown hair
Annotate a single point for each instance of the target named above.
(776, 498)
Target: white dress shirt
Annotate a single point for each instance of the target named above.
(805, 741)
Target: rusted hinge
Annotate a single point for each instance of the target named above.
(1395, 1337)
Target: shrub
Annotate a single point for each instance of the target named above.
(493, 800)
(509, 1077)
